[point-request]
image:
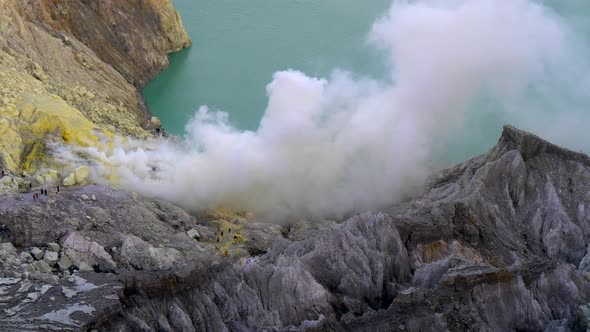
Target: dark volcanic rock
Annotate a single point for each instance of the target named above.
(498, 243)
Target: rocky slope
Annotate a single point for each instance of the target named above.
(498, 243)
(70, 67)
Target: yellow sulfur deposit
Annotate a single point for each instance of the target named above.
(29, 120)
(227, 237)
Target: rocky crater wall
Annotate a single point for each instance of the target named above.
(497, 243)
(69, 67)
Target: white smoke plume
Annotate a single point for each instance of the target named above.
(327, 147)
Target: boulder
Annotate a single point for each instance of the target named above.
(30, 268)
(18, 180)
(193, 233)
(47, 179)
(70, 180)
(156, 123)
(37, 253)
(39, 180)
(6, 180)
(7, 248)
(64, 262)
(82, 174)
(53, 247)
(42, 266)
(26, 257)
(79, 249)
(139, 254)
(84, 267)
(51, 257)
(53, 174)
(37, 71)
(7, 252)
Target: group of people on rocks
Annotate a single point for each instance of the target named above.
(36, 195)
(44, 192)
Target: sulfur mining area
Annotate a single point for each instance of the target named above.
(496, 243)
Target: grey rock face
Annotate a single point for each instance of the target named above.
(7, 249)
(42, 266)
(7, 252)
(80, 249)
(37, 253)
(193, 233)
(26, 257)
(139, 254)
(64, 262)
(498, 243)
(84, 267)
(53, 247)
(493, 244)
(50, 258)
(65, 306)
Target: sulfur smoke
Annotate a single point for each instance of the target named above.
(326, 147)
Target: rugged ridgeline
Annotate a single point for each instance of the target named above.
(498, 243)
(68, 67)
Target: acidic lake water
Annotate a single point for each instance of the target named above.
(238, 45)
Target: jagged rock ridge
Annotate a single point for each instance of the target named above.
(498, 243)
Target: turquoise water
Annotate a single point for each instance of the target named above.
(239, 44)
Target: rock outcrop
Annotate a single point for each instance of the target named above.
(74, 69)
(498, 243)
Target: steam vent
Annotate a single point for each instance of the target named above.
(295, 166)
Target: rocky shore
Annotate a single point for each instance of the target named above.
(498, 243)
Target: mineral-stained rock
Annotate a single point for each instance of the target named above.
(6, 180)
(69, 180)
(39, 180)
(81, 174)
(60, 77)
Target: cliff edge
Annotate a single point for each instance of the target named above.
(70, 67)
